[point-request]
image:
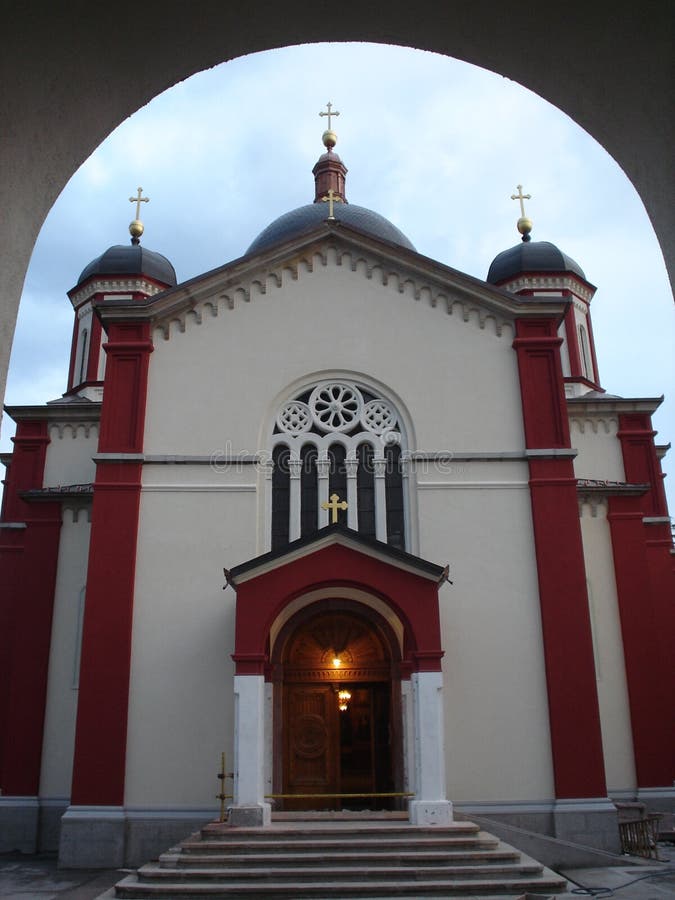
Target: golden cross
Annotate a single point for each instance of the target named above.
(521, 196)
(334, 504)
(138, 200)
(331, 198)
(329, 113)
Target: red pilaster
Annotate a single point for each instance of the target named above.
(73, 353)
(591, 341)
(648, 691)
(28, 561)
(100, 743)
(568, 650)
(646, 601)
(640, 461)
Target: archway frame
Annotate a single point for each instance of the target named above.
(390, 632)
(625, 115)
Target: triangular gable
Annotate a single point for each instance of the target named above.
(329, 536)
(334, 559)
(260, 272)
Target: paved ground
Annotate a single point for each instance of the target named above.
(37, 878)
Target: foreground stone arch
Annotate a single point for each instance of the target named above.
(70, 75)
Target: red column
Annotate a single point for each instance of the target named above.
(28, 561)
(648, 689)
(574, 715)
(646, 589)
(100, 742)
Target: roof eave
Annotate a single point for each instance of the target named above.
(187, 295)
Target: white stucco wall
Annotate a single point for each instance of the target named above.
(181, 701)
(464, 394)
(608, 649)
(70, 454)
(211, 389)
(598, 448)
(61, 707)
(497, 732)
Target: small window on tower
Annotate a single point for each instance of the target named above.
(586, 369)
(84, 340)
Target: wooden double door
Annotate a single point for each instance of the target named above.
(328, 750)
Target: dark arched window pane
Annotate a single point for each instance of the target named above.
(280, 497)
(394, 493)
(309, 491)
(365, 488)
(337, 477)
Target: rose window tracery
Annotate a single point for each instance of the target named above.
(294, 417)
(336, 406)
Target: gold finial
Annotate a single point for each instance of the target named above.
(334, 504)
(331, 198)
(136, 228)
(329, 137)
(524, 225)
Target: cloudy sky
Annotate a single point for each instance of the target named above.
(435, 145)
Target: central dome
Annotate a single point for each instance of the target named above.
(329, 185)
(304, 218)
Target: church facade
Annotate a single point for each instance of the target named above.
(367, 524)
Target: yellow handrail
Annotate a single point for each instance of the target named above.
(339, 795)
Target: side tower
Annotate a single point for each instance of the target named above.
(625, 527)
(124, 272)
(45, 527)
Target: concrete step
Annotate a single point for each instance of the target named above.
(342, 861)
(371, 858)
(363, 830)
(133, 889)
(342, 874)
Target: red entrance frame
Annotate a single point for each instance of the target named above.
(337, 558)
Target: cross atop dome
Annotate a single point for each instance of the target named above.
(329, 172)
(136, 228)
(524, 225)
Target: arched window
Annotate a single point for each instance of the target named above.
(586, 368)
(84, 338)
(281, 494)
(338, 437)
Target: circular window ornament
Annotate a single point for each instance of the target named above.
(294, 417)
(336, 406)
(377, 416)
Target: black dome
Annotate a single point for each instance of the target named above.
(531, 256)
(305, 217)
(131, 259)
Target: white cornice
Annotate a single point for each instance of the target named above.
(134, 284)
(62, 413)
(551, 283)
(607, 404)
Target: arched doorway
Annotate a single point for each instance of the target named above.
(337, 709)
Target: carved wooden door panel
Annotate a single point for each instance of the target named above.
(312, 745)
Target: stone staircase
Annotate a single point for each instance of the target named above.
(346, 860)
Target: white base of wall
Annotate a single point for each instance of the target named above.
(19, 819)
(424, 812)
(251, 816)
(92, 837)
(593, 823)
(106, 837)
(657, 799)
(589, 822)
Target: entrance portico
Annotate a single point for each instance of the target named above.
(338, 610)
